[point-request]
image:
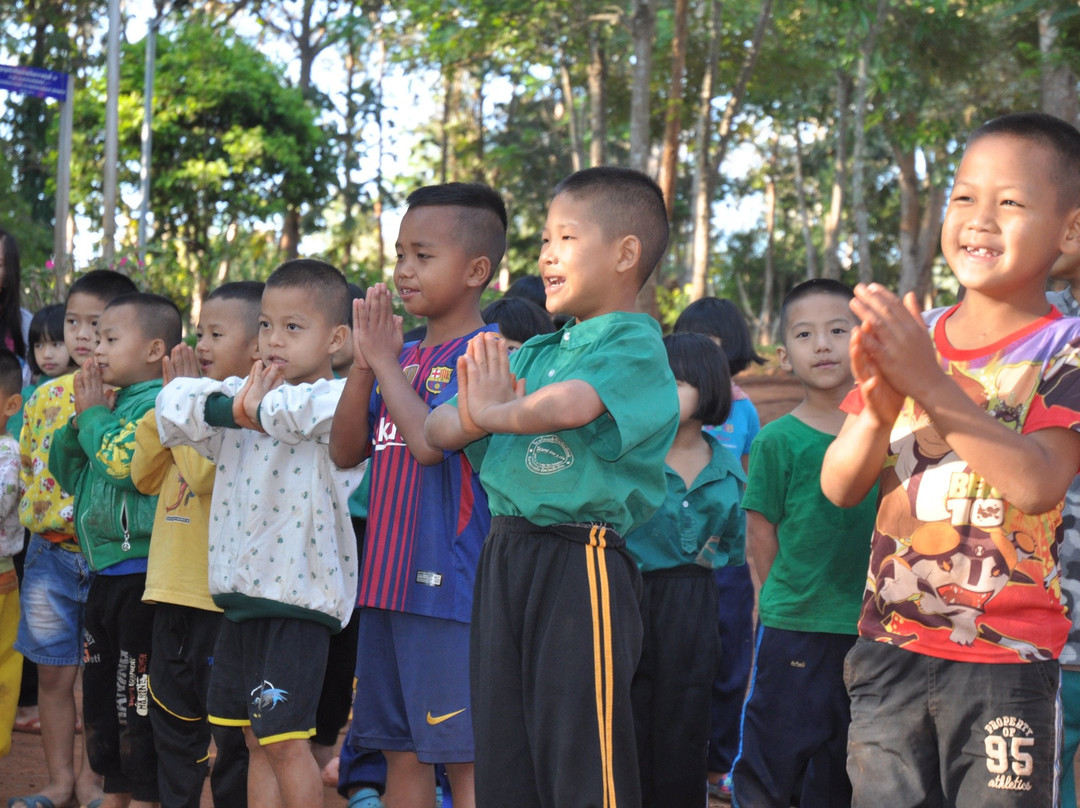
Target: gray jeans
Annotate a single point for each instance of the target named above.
(933, 732)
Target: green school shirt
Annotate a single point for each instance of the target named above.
(612, 469)
(701, 525)
(817, 580)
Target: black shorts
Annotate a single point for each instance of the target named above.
(268, 673)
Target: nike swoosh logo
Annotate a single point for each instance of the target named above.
(438, 719)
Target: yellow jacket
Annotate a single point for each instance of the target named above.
(183, 480)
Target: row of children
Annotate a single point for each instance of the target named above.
(967, 415)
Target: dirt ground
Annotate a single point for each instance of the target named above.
(773, 393)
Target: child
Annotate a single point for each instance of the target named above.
(427, 513)
(697, 529)
(282, 561)
(91, 457)
(720, 320)
(186, 621)
(969, 417)
(811, 559)
(1067, 270)
(11, 542)
(580, 422)
(48, 359)
(14, 320)
(518, 319)
(57, 578)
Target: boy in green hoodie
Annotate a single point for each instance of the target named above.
(91, 457)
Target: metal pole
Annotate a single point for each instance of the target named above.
(147, 132)
(61, 248)
(111, 135)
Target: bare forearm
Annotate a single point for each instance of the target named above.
(350, 442)
(1032, 471)
(443, 429)
(564, 405)
(409, 412)
(762, 542)
(854, 459)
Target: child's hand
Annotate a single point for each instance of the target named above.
(182, 363)
(895, 339)
(489, 382)
(468, 426)
(260, 381)
(90, 390)
(377, 331)
(878, 396)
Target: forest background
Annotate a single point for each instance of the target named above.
(792, 138)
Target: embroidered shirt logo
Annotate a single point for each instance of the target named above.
(548, 454)
(438, 379)
(438, 719)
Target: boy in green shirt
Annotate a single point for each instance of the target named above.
(570, 438)
(811, 559)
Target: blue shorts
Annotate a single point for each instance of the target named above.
(412, 686)
(55, 585)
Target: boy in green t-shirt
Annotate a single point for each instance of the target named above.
(810, 557)
(570, 436)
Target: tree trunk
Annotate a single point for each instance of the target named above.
(702, 186)
(858, 157)
(1058, 78)
(290, 234)
(920, 225)
(804, 214)
(700, 268)
(764, 324)
(597, 102)
(831, 234)
(642, 28)
(669, 160)
(577, 143)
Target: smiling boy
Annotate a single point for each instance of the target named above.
(969, 416)
(579, 423)
(91, 457)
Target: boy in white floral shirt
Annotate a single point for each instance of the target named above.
(282, 551)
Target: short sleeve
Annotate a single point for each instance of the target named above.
(768, 475)
(632, 377)
(1057, 398)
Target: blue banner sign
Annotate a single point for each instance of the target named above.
(34, 81)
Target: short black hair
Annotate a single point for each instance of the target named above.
(721, 318)
(1060, 136)
(518, 318)
(321, 279)
(623, 202)
(11, 375)
(815, 286)
(700, 362)
(530, 287)
(356, 292)
(47, 325)
(481, 215)
(157, 316)
(248, 294)
(104, 284)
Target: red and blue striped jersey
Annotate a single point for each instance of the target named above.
(426, 524)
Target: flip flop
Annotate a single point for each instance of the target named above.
(30, 725)
(96, 803)
(32, 801)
